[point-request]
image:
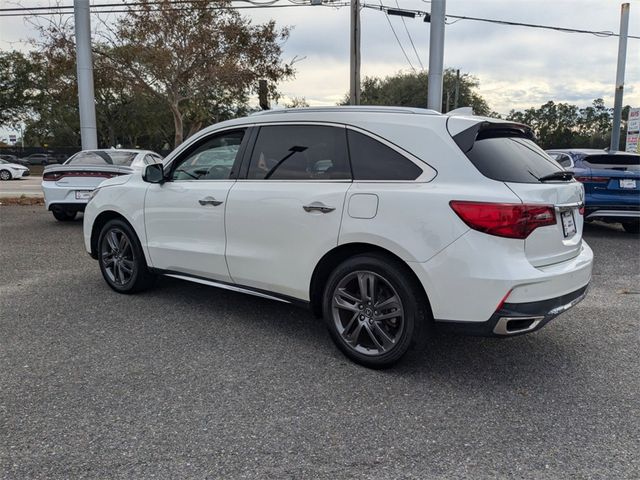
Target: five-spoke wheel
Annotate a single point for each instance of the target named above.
(121, 259)
(373, 309)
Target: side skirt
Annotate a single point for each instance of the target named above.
(231, 286)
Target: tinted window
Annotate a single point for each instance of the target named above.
(563, 160)
(300, 153)
(511, 159)
(624, 162)
(371, 160)
(102, 158)
(212, 159)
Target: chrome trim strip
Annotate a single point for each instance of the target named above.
(233, 288)
(567, 306)
(615, 213)
(501, 325)
(569, 205)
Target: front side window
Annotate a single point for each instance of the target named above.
(300, 152)
(372, 160)
(212, 159)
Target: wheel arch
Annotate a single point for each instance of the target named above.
(100, 221)
(337, 255)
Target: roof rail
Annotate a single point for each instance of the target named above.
(351, 109)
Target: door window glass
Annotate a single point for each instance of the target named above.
(211, 160)
(300, 152)
(371, 160)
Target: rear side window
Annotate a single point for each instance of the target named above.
(371, 160)
(511, 159)
(300, 152)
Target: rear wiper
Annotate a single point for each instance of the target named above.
(564, 175)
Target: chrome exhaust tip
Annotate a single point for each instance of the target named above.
(513, 325)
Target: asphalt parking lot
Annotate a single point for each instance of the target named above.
(188, 381)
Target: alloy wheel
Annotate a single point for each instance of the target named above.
(5, 175)
(117, 257)
(368, 313)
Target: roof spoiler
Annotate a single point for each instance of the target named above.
(482, 130)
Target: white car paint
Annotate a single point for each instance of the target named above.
(63, 191)
(12, 170)
(261, 237)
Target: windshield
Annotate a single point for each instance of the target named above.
(512, 159)
(3, 161)
(101, 157)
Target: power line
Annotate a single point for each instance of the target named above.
(397, 39)
(410, 39)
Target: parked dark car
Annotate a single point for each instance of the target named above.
(611, 183)
(40, 159)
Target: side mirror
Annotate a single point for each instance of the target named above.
(153, 173)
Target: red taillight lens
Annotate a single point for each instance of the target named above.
(581, 210)
(54, 176)
(592, 179)
(504, 219)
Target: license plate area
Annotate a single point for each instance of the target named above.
(83, 194)
(568, 223)
(629, 183)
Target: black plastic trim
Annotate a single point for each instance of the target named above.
(541, 308)
(76, 207)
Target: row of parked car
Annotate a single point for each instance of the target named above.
(36, 158)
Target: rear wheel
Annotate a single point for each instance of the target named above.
(121, 259)
(632, 227)
(63, 215)
(373, 310)
(5, 175)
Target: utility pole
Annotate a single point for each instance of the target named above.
(84, 65)
(436, 55)
(622, 60)
(354, 64)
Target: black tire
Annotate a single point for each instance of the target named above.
(125, 271)
(632, 227)
(5, 175)
(366, 327)
(63, 215)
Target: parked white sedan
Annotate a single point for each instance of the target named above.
(380, 219)
(11, 171)
(67, 187)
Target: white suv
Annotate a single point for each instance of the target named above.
(382, 220)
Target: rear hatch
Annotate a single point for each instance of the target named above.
(506, 152)
(611, 179)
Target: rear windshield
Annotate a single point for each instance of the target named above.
(511, 159)
(628, 162)
(102, 158)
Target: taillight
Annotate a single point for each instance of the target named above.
(581, 210)
(510, 220)
(55, 176)
(592, 179)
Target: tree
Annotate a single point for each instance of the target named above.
(17, 73)
(562, 125)
(200, 58)
(296, 102)
(410, 90)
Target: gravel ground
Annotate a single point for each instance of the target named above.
(188, 381)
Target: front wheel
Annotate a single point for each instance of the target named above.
(632, 227)
(374, 309)
(121, 260)
(5, 175)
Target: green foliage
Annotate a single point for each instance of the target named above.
(410, 90)
(562, 125)
(16, 80)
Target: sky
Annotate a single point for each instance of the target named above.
(517, 67)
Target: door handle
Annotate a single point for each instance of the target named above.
(318, 207)
(209, 201)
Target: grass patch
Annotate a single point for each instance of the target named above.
(22, 200)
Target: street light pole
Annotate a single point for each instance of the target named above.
(354, 64)
(436, 55)
(84, 68)
(622, 59)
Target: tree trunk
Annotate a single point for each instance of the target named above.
(177, 123)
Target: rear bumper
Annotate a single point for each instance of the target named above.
(64, 196)
(517, 318)
(70, 207)
(616, 213)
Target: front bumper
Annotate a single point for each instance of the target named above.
(517, 318)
